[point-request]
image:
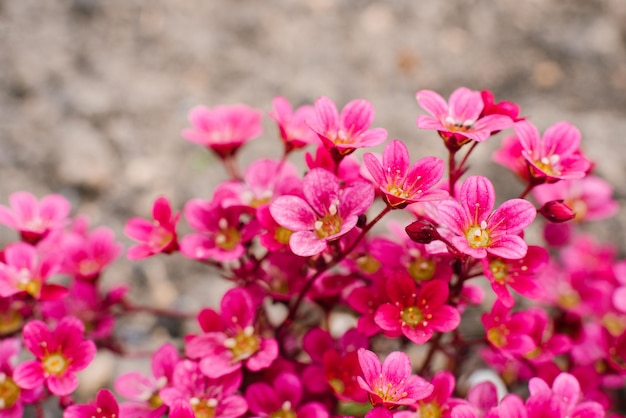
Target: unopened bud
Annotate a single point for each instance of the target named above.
(422, 231)
(557, 211)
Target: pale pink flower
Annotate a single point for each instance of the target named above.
(292, 125)
(460, 116)
(155, 236)
(35, 219)
(391, 383)
(554, 156)
(60, 354)
(25, 270)
(416, 313)
(402, 183)
(477, 229)
(223, 129)
(349, 130)
(326, 213)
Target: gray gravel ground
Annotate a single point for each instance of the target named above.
(94, 93)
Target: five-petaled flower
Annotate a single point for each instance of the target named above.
(477, 231)
(156, 236)
(326, 213)
(391, 383)
(402, 184)
(60, 354)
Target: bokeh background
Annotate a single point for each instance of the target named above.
(94, 94)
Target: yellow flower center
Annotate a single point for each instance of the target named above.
(328, 226)
(498, 269)
(421, 269)
(10, 321)
(429, 410)
(497, 335)
(203, 408)
(244, 344)
(284, 412)
(478, 236)
(9, 392)
(227, 238)
(160, 237)
(548, 164)
(282, 235)
(55, 363)
(411, 315)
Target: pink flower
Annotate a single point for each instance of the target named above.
(144, 390)
(156, 236)
(12, 396)
(477, 230)
(416, 313)
(223, 129)
(105, 406)
(33, 219)
(220, 234)
(508, 332)
(348, 170)
(556, 155)
(231, 339)
(60, 354)
(505, 107)
(562, 400)
(25, 270)
(282, 398)
(510, 156)
(460, 117)
(520, 274)
(294, 131)
(202, 396)
(326, 213)
(87, 255)
(391, 383)
(402, 184)
(439, 402)
(347, 131)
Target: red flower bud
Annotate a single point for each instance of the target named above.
(557, 211)
(422, 231)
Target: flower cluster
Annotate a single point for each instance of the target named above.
(326, 315)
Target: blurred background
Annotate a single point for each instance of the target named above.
(94, 93)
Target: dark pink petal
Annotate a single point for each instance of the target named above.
(107, 403)
(567, 387)
(67, 335)
(401, 289)
(356, 199)
(52, 291)
(493, 123)
(465, 105)
(180, 408)
(433, 294)
(264, 357)
(426, 173)
(36, 332)
(511, 406)
(418, 334)
(562, 138)
(463, 411)
(316, 342)
(327, 116)
(313, 410)
(396, 159)
(62, 385)
(589, 409)
(206, 345)
(293, 213)
(164, 360)
(138, 229)
(288, 387)
(238, 310)
(28, 375)
(232, 407)
(82, 355)
(379, 412)
(373, 165)
(388, 317)
(219, 364)
(306, 243)
(356, 116)
(417, 388)
(210, 321)
(528, 135)
(369, 138)
(79, 411)
(162, 211)
(484, 396)
(477, 196)
(262, 399)
(445, 319)
(433, 103)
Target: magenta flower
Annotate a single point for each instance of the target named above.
(283, 398)
(504, 107)
(402, 184)
(156, 236)
(231, 339)
(510, 156)
(439, 402)
(86, 255)
(520, 274)
(460, 116)
(202, 396)
(556, 155)
(219, 234)
(416, 313)
(60, 354)
(292, 125)
(477, 230)
(24, 270)
(105, 406)
(326, 213)
(391, 383)
(563, 399)
(12, 396)
(508, 332)
(223, 129)
(349, 130)
(35, 219)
